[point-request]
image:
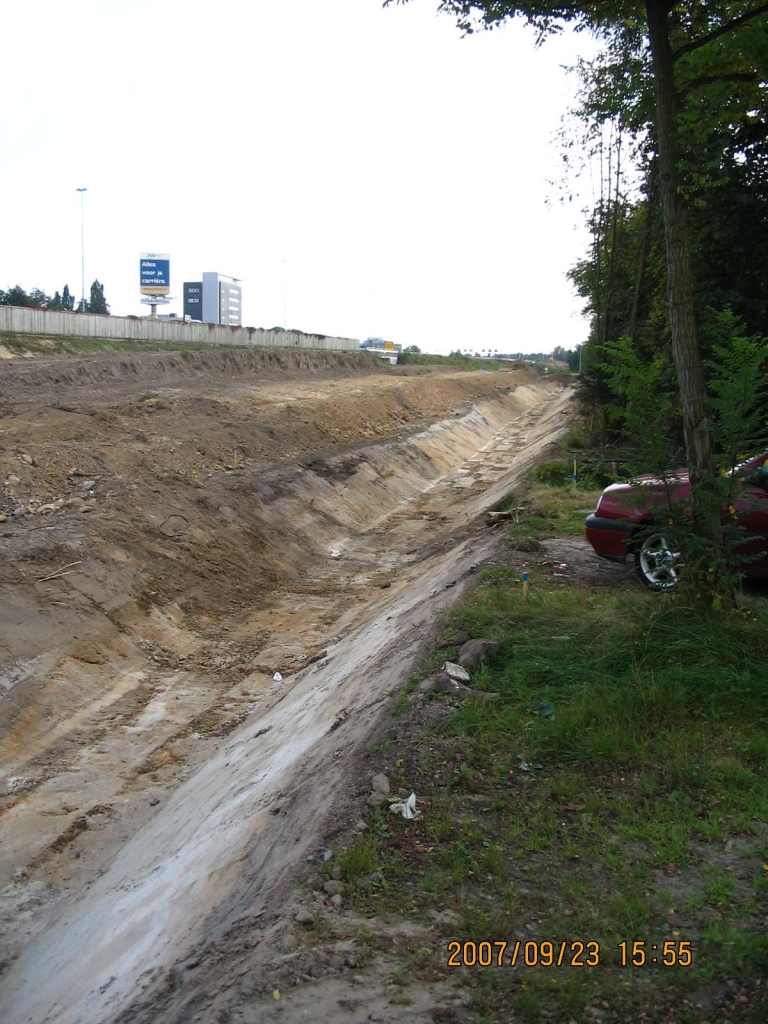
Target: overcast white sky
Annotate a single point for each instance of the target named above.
(369, 166)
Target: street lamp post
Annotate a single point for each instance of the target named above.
(285, 290)
(82, 253)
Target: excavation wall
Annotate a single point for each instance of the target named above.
(208, 592)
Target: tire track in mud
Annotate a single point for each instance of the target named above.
(222, 843)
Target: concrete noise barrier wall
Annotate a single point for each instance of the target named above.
(52, 323)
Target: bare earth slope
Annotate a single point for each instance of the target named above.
(173, 537)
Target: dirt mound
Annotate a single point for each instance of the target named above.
(26, 379)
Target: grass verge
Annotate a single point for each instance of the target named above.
(31, 345)
(594, 839)
(460, 362)
(546, 511)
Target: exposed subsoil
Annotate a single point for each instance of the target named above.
(216, 568)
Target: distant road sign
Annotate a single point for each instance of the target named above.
(155, 273)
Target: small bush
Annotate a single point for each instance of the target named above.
(360, 860)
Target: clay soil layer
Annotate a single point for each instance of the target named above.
(217, 566)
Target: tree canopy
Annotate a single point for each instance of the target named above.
(672, 55)
(671, 32)
(65, 301)
(16, 296)
(724, 173)
(97, 304)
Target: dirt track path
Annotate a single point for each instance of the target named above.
(179, 828)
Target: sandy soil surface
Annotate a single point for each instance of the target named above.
(216, 570)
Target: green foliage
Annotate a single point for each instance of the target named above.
(723, 165)
(65, 301)
(672, 45)
(569, 356)
(16, 296)
(606, 818)
(738, 388)
(456, 359)
(548, 510)
(359, 860)
(554, 473)
(738, 394)
(558, 474)
(28, 345)
(97, 304)
(646, 405)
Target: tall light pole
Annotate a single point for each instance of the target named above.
(82, 253)
(285, 289)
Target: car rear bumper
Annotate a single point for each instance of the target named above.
(609, 537)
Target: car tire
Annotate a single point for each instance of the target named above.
(657, 563)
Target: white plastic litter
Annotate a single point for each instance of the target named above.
(277, 678)
(335, 553)
(406, 807)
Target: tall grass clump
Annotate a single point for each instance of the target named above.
(618, 679)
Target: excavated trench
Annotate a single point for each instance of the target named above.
(161, 779)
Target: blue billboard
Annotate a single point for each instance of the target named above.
(155, 273)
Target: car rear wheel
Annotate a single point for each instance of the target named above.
(658, 564)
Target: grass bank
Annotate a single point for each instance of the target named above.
(32, 345)
(461, 362)
(593, 844)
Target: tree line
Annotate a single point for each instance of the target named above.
(64, 300)
(723, 180)
(673, 113)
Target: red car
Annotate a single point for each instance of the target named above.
(614, 531)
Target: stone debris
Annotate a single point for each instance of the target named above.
(455, 671)
(443, 683)
(475, 653)
(379, 791)
(51, 506)
(372, 878)
(380, 784)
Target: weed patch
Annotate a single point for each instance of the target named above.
(614, 793)
(547, 511)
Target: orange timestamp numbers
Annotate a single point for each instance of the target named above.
(667, 954)
(529, 954)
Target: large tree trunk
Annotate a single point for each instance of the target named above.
(685, 343)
